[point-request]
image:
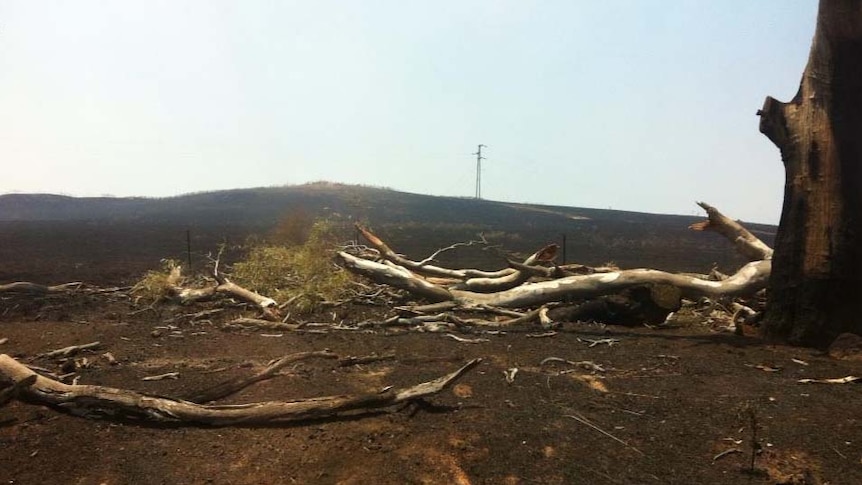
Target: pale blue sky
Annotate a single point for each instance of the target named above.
(639, 105)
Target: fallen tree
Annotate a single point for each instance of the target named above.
(537, 285)
(171, 286)
(22, 383)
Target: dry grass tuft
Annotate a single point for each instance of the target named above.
(158, 285)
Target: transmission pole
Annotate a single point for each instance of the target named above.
(479, 159)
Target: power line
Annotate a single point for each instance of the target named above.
(479, 159)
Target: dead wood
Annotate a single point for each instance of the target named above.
(404, 274)
(259, 323)
(70, 350)
(426, 269)
(161, 377)
(397, 276)
(559, 271)
(224, 286)
(366, 359)
(267, 306)
(15, 389)
(511, 280)
(37, 289)
(462, 279)
(746, 242)
(104, 402)
(748, 280)
(233, 386)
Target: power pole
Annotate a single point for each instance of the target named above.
(479, 159)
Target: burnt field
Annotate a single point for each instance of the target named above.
(684, 403)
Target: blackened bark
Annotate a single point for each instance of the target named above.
(815, 290)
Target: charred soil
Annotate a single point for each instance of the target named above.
(680, 404)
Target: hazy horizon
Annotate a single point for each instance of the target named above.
(641, 106)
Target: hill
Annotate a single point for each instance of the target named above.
(75, 233)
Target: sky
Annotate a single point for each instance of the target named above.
(642, 105)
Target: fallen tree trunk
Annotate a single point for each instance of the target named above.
(105, 402)
(748, 280)
(399, 272)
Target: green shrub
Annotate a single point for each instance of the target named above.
(304, 275)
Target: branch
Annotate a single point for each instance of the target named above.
(746, 242)
(37, 289)
(398, 277)
(511, 290)
(748, 280)
(98, 402)
(426, 269)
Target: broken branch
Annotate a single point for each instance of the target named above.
(104, 402)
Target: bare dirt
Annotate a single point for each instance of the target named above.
(674, 405)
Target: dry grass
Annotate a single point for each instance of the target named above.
(158, 285)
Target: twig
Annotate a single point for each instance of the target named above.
(541, 335)
(67, 351)
(587, 364)
(498, 311)
(351, 360)
(725, 453)
(259, 323)
(168, 375)
(203, 314)
(594, 342)
(433, 257)
(467, 340)
(838, 380)
(583, 420)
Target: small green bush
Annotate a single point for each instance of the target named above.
(304, 275)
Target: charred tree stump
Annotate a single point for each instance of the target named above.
(816, 282)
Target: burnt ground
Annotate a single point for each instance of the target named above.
(669, 401)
